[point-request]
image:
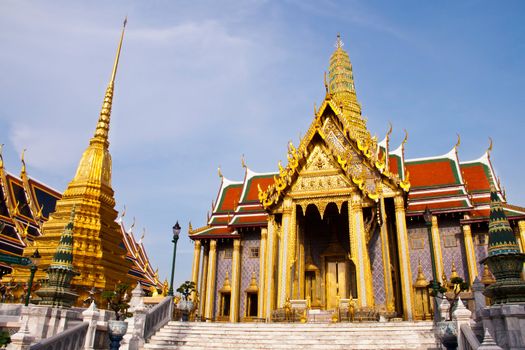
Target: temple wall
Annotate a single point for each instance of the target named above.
(480, 237)
(419, 249)
(453, 247)
(376, 262)
(224, 264)
(249, 265)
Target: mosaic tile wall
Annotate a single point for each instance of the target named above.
(419, 250)
(481, 249)
(452, 253)
(249, 265)
(223, 265)
(376, 262)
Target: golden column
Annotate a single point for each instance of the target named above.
(436, 241)
(385, 251)
(196, 263)
(204, 278)
(236, 280)
(270, 289)
(521, 240)
(521, 225)
(210, 285)
(262, 273)
(359, 252)
(471, 255)
(292, 247)
(404, 258)
(282, 287)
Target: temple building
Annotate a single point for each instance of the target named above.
(343, 220)
(33, 217)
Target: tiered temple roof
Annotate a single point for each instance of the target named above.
(443, 183)
(26, 204)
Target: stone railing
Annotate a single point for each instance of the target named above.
(467, 338)
(71, 339)
(158, 316)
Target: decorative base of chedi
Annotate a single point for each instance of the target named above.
(509, 287)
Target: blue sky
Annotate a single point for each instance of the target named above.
(202, 82)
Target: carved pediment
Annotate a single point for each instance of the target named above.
(320, 173)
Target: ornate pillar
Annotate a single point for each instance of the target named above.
(196, 262)
(521, 226)
(284, 275)
(521, 241)
(270, 268)
(210, 285)
(471, 255)
(359, 251)
(404, 258)
(262, 273)
(385, 251)
(291, 263)
(204, 278)
(436, 241)
(236, 280)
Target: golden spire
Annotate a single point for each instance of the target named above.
(342, 89)
(99, 235)
(102, 130)
(95, 165)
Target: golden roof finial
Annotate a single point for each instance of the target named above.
(490, 145)
(22, 159)
(1, 157)
(220, 172)
(457, 143)
(406, 137)
(243, 162)
(102, 130)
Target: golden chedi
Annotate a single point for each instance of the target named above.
(98, 255)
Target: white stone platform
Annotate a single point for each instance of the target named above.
(377, 335)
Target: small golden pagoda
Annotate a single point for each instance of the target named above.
(98, 256)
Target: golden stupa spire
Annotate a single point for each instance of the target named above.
(99, 257)
(95, 164)
(102, 130)
(342, 90)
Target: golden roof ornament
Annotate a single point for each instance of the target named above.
(252, 288)
(453, 271)
(226, 287)
(421, 280)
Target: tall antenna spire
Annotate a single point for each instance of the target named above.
(102, 130)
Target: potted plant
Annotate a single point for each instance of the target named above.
(446, 329)
(117, 301)
(185, 305)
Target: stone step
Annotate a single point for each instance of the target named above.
(255, 336)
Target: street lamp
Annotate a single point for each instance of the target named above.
(35, 258)
(434, 285)
(176, 232)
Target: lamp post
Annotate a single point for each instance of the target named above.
(434, 285)
(35, 258)
(176, 232)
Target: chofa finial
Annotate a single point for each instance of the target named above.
(459, 141)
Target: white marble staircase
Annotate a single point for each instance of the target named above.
(384, 335)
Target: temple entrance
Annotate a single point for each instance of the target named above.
(336, 281)
(327, 273)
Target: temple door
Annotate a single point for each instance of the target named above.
(336, 283)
